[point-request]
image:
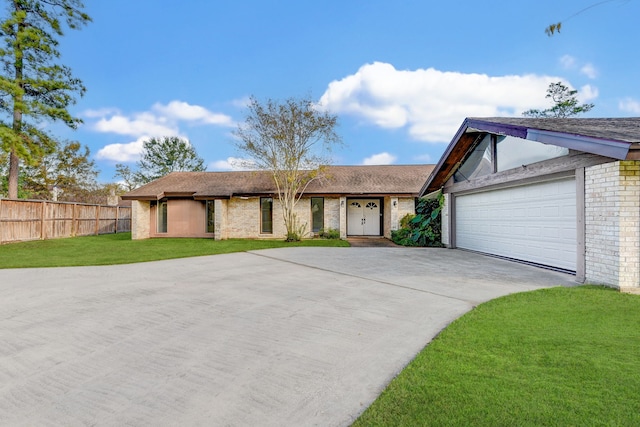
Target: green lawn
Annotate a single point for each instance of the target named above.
(120, 249)
(554, 357)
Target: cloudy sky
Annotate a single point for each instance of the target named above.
(401, 75)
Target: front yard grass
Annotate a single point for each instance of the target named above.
(120, 249)
(553, 357)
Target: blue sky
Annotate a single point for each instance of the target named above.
(401, 75)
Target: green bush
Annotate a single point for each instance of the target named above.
(329, 233)
(423, 228)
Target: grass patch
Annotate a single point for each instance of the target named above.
(120, 249)
(560, 356)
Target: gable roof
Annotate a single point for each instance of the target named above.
(618, 138)
(372, 180)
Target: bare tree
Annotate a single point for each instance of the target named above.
(292, 140)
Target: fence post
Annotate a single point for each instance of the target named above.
(97, 219)
(117, 218)
(74, 226)
(42, 211)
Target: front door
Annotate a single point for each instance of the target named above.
(363, 217)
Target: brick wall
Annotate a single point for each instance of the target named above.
(140, 219)
(612, 224)
(444, 213)
(405, 206)
(243, 217)
(239, 218)
(332, 213)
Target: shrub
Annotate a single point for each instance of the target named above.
(329, 233)
(423, 228)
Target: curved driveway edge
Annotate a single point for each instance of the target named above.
(294, 336)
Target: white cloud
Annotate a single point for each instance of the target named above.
(587, 93)
(161, 120)
(567, 61)
(629, 105)
(125, 153)
(589, 70)
(241, 102)
(140, 124)
(180, 110)
(231, 164)
(432, 103)
(380, 159)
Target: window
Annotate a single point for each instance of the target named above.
(497, 153)
(211, 216)
(266, 215)
(162, 217)
(477, 163)
(514, 152)
(317, 214)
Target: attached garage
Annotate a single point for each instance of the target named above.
(557, 192)
(534, 223)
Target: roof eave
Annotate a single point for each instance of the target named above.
(615, 149)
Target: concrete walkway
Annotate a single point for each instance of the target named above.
(282, 337)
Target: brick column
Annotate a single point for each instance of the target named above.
(343, 218)
(140, 219)
(629, 226)
(612, 225)
(221, 228)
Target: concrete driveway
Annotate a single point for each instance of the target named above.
(299, 336)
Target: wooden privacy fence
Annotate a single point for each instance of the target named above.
(22, 220)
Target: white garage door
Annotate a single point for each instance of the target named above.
(535, 223)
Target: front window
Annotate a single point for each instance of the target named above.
(498, 153)
(317, 214)
(477, 163)
(515, 152)
(162, 217)
(211, 216)
(266, 215)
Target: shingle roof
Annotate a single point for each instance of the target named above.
(617, 138)
(351, 180)
(626, 129)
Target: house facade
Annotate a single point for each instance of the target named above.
(355, 200)
(560, 193)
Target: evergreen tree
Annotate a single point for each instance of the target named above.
(565, 103)
(161, 156)
(33, 86)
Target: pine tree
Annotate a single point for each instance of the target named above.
(33, 86)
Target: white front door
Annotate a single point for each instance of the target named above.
(363, 217)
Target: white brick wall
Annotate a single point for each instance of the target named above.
(221, 229)
(243, 217)
(140, 219)
(405, 206)
(332, 213)
(612, 224)
(444, 213)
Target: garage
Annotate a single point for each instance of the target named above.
(534, 223)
